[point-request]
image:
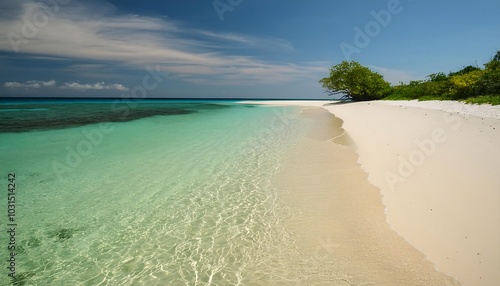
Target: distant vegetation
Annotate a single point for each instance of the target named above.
(471, 84)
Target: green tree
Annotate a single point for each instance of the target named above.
(489, 83)
(497, 57)
(465, 85)
(355, 81)
(437, 85)
(437, 77)
(404, 91)
(465, 70)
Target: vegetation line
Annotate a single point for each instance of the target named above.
(471, 84)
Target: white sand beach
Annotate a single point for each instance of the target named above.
(436, 166)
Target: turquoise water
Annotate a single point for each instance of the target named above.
(170, 194)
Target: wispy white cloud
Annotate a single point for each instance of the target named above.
(31, 84)
(98, 86)
(46, 58)
(246, 41)
(80, 32)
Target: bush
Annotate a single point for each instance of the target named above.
(484, 99)
(465, 85)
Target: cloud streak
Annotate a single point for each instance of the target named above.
(97, 86)
(35, 84)
(131, 40)
(30, 84)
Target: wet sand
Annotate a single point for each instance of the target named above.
(342, 219)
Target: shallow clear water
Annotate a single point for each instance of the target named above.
(175, 194)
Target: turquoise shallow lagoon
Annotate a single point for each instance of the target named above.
(192, 193)
(158, 193)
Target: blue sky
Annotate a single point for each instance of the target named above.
(232, 48)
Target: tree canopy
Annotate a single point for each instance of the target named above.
(355, 81)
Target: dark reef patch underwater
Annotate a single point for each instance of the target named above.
(15, 117)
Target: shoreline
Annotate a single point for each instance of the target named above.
(340, 217)
(436, 172)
